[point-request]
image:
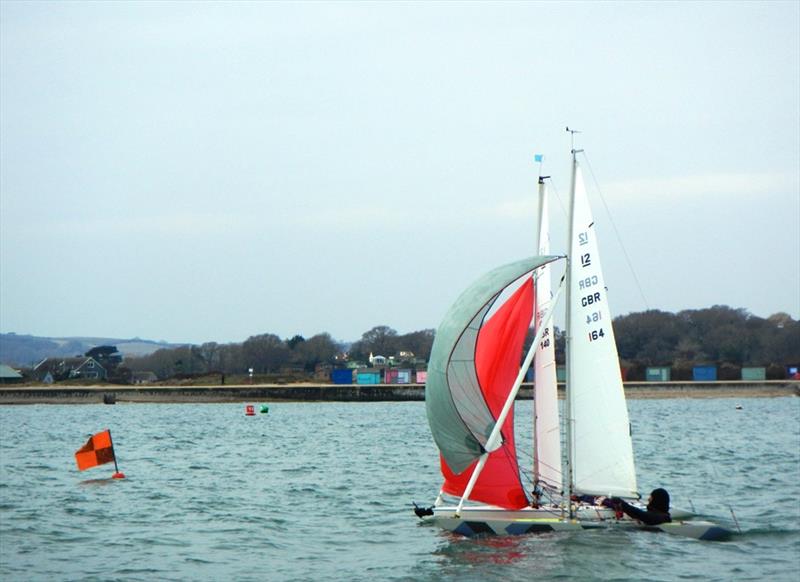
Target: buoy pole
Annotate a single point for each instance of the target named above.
(117, 474)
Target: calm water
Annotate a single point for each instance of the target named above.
(322, 491)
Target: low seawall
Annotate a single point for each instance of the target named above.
(353, 393)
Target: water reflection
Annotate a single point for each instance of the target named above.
(544, 550)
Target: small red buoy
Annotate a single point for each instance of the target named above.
(250, 410)
(118, 475)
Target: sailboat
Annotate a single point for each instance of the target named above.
(474, 375)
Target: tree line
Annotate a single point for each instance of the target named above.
(268, 354)
(720, 335)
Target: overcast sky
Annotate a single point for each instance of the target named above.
(205, 172)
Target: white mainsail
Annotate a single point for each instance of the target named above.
(547, 433)
(601, 452)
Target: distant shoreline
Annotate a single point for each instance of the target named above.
(16, 395)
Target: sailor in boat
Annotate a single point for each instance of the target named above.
(657, 511)
(536, 497)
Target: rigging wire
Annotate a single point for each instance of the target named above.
(616, 231)
(529, 457)
(544, 491)
(730, 507)
(513, 460)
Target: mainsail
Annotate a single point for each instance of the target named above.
(474, 361)
(601, 453)
(547, 433)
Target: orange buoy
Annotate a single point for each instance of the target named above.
(250, 410)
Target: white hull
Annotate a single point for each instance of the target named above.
(486, 520)
(582, 511)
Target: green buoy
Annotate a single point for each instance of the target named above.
(264, 409)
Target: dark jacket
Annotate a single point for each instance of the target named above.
(657, 509)
(650, 516)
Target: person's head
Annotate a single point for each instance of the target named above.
(659, 500)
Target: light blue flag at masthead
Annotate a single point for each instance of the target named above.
(538, 158)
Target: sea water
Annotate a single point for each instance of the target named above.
(323, 491)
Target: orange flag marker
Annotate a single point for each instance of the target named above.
(98, 450)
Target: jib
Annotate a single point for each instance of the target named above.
(589, 299)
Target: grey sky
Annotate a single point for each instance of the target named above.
(197, 172)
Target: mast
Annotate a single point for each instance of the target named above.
(568, 405)
(547, 459)
(536, 308)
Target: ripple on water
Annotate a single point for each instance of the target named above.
(322, 490)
